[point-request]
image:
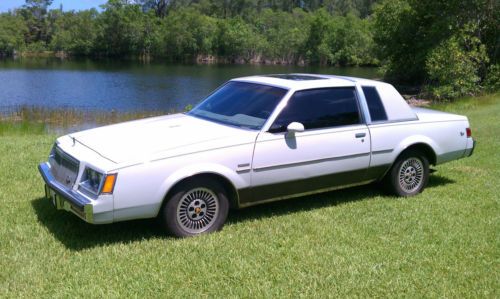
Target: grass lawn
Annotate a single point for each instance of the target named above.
(353, 242)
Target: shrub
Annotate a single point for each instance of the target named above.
(492, 81)
(454, 66)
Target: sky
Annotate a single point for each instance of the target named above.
(5, 5)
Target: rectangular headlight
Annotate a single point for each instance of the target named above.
(91, 181)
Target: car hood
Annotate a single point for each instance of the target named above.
(160, 137)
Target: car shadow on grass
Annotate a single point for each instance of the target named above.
(436, 180)
(78, 235)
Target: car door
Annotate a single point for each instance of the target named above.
(332, 151)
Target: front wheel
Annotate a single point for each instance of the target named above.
(196, 207)
(409, 174)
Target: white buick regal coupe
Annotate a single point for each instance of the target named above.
(254, 140)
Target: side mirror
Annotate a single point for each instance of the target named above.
(295, 127)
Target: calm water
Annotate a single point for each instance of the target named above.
(126, 86)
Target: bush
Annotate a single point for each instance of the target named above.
(454, 66)
(12, 30)
(492, 82)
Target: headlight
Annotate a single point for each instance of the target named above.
(96, 183)
(91, 181)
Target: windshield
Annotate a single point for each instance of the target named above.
(241, 104)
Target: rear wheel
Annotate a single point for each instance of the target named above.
(409, 174)
(196, 207)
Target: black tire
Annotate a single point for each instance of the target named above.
(409, 174)
(195, 207)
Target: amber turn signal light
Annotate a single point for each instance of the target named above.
(109, 184)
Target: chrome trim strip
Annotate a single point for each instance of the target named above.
(391, 122)
(267, 167)
(386, 151)
(238, 171)
(252, 203)
(242, 168)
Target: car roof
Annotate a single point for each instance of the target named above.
(395, 106)
(299, 81)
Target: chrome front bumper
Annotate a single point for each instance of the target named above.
(66, 199)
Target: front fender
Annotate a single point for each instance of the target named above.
(205, 168)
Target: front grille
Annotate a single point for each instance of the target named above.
(65, 160)
(64, 167)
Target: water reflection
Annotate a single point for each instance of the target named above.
(126, 86)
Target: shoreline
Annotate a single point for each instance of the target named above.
(200, 59)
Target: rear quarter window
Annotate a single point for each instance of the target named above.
(375, 106)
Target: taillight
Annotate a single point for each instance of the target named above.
(469, 132)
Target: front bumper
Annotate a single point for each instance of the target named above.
(65, 199)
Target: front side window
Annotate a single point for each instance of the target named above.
(320, 108)
(241, 104)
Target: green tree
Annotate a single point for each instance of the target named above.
(35, 13)
(350, 41)
(75, 32)
(453, 66)
(189, 33)
(12, 31)
(238, 39)
(120, 29)
(406, 31)
(285, 34)
(316, 47)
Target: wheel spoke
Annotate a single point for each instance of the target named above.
(197, 210)
(411, 174)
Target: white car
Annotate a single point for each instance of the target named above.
(254, 140)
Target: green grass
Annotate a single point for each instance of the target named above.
(356, 242)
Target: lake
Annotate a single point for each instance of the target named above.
(124, 85)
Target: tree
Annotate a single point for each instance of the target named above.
(350, 41)
(160, 7)
(406, 31)
(285, 34)
(238, 39)
(453, 66)
(12, 31)
(35, 15)
(120, 28)
(75, 32)
(316, 48)
(188, 33)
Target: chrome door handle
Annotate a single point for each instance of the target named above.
(360, 135)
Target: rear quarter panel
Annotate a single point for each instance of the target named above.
(446, 138)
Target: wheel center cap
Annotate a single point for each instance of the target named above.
(197, 210)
